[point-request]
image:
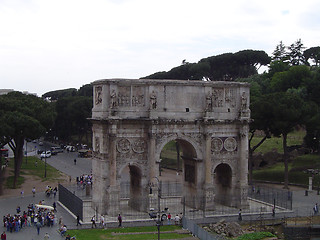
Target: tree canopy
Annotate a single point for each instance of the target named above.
(224, 67)
(23, 116)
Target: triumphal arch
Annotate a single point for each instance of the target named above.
(133, 119)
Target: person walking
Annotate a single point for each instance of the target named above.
(102, 221)
(4, 236)
(240, 215)
(78, 220)
(93, 220)
(33, 191)
(119, 220)
(273, 211)
(75, 161)
(38, 225)
(316, 209)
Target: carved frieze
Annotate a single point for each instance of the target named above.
(124, 97)
(230, 97)
(217, 97)
(138, 99)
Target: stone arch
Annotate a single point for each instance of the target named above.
(181, 138)
(133, 119)
(223, 183)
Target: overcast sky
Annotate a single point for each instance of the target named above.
(48, 45)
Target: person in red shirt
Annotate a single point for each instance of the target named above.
(3, 236)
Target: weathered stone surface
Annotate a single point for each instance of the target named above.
(134, 119)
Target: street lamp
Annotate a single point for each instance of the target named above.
(45, 158)
(158, 222)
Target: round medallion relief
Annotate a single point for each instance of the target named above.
(230, 144)
(216, 144)
(139, 146)
(123, 145)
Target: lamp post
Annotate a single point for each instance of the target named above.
(158, 222)
(45, 158)
(26, 152)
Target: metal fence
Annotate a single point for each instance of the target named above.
(278, 197)
(261, 200)
(71, 201)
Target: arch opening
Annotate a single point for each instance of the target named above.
(223, 183)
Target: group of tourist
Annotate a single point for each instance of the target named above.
(33, 216)
(84, 180)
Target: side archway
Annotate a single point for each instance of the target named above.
(223, 184)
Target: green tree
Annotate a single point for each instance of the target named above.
(288, 110)
(23, 116)
(72, 117)
(312, 54)
(295, 53)
(280, 54)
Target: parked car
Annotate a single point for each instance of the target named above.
(56, 149)
(46, 154)
(70, 148)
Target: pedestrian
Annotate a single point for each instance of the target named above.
(93, 220)
(75, 161)
(38, 225)
(240, 215)
(54, 205)
(55, 190)
(119, 220)
(176, 220)
(46, 236)
(33, 191)
(78, 220)
(4, 236)
(18, 209)
(169, 219)
(22, 193)
(102, 221)
(273, 211)
(316, 209)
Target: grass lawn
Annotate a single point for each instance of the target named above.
(131, 233)
(32, 166)
(297, 170)
(270, 144)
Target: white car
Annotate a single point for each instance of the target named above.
(46, 154)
